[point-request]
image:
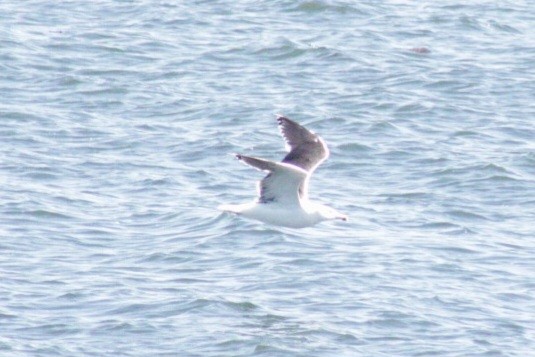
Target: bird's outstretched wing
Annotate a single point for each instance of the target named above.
(281, 184)
(306, 149)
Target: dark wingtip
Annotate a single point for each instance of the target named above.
(236, 155)
(281, 118)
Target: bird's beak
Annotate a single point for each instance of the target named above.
(342, 217)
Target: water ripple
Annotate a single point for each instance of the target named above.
(117, 119)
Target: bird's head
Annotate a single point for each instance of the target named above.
(328, 213)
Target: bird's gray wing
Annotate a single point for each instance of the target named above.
(281, 184)
(306, 149)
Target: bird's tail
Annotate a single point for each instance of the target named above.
(230, 208)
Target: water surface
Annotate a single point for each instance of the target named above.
(116, 118)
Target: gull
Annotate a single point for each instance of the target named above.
(283, 193)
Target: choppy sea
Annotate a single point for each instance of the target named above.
(116, 121)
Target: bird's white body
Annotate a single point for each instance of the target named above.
(287, 216)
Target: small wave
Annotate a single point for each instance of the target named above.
(354, 147)
(285, 49)
(241, 306)
(517, 132)
(406, 195)
(104, 92)
(56, 329)
(268, 350)
(465, 215)
(321, 6)
(468, 22)
(7, 316)
(472, 174)
(462, 231)
(462, 133)
(449, 84)
(384, 127)
(42, 176)
(413, 108)
(504, 28)
(439, 225)
(459, 250)
(42, 213)
(498, 178)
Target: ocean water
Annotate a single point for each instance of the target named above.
(116, 121)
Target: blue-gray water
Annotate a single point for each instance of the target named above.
(116, 121)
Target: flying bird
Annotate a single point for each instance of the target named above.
(283, 193)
